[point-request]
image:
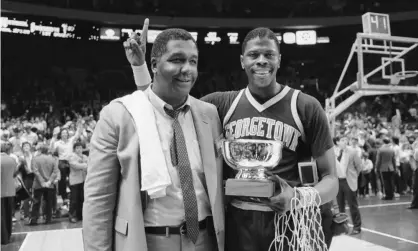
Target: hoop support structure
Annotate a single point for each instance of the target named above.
(365, 44)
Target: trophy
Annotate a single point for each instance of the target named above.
(251, 158)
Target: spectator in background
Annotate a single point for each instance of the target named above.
(355, 145)
(414, 166)
(29, 135)
(64, 148)
(397, 174)
(17, 140)
(405, 159)
(25, 168)
(45, 168)
(78, 172)
(385, 165)
(349, 167)
(365, 175)
(40, 124)
(8, 191)
(375, 179)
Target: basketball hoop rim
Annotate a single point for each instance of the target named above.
(405, 74)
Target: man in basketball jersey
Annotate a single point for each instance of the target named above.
(270, 111)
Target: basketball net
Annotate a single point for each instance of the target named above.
(303, 222)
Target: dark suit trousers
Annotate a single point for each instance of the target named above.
(64, 167)
(28, 181)
(373, 181)
(345, 193)
(76, 200)
(407, 175)
(248, 230)
(7, 211)
(414, 202)
(48, 195)
(388, 184)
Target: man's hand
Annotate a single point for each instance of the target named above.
(281, 201)
(135, 46)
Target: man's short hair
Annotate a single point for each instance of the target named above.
(261, 33)
(43, 148)
(160, 44)
(337, 139)
(25, 143)
(395, 140)
(386, 140)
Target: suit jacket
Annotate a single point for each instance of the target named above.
(113, 205)
(45, 168)
(354, 168)
(385, 159)
(8, 170)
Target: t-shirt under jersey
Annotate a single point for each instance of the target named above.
(273, 120)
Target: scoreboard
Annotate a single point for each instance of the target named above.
(376, 23)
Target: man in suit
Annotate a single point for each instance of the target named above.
(45, 168)
(118, 213)
(8, 190)
(385, 165)
(349, 167)
(414, 164)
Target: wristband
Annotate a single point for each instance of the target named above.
(141, 75)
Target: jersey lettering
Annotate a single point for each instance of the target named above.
(267, 128)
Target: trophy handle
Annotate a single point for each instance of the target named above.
(239, 174)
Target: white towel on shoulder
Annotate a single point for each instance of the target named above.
(155, 177)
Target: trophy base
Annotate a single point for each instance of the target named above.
(250, 188)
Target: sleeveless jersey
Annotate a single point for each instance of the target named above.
(273, 120)
(244, 117)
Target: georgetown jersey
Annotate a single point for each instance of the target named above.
(285, 117)
(272, 120)
(298, 121)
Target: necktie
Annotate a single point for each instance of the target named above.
(340, 156)
(180, 159)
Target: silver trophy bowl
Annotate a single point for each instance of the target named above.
(252, 157)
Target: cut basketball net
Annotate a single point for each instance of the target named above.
(303, 222)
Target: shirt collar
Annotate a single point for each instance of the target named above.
(159, 104)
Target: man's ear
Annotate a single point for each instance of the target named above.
(154, 62)
(242, 61)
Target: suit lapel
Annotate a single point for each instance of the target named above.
(206, 144)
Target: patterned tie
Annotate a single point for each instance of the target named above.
(180, 159)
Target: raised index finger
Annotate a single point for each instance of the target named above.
(144, 33)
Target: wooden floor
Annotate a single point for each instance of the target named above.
(387, 226)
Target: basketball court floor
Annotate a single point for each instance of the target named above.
(387, 226)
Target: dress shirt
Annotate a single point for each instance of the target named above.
(342, 164)
(169, 210)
